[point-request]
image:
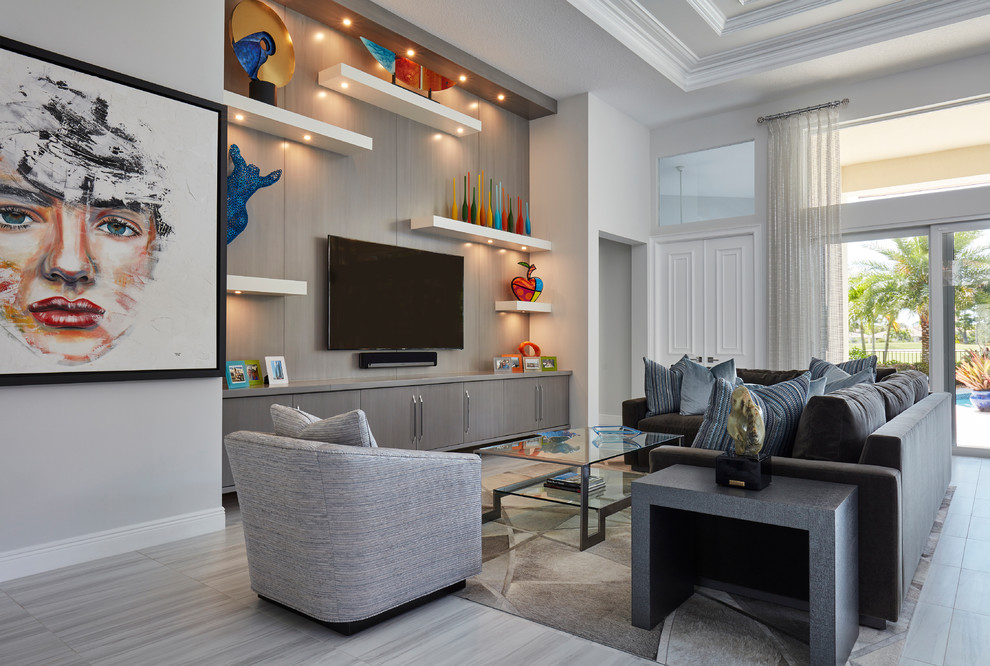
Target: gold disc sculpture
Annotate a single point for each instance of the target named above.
(262, 45)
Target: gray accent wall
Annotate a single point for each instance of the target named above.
(614, 328)
(370, 196)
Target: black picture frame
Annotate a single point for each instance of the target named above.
(175, 341)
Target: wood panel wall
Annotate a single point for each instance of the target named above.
(371, 197)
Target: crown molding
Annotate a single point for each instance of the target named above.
(640, 31)
(723, 25)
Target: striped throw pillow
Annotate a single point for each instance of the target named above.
(663, 387)
(782, 405)
(713, 432)
(819, 368)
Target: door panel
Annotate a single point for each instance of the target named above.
(730, 300)
(556, 402)
(680, 315)
(442, 416)
(483, 410)
(390, 414)
(519, 396)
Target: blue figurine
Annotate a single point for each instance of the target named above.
(252, 52)
(243, 181)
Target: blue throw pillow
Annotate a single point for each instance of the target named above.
(817, 388)
(864, 376)
(782, 405)
(663, 387)
(698, 382)
(819, 368)
(713, 432)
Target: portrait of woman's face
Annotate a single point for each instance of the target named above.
(78, 225)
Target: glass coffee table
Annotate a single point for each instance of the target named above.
(577, 450)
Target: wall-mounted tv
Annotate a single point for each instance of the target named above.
(389, 297)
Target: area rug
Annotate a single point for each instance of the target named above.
(533, 569)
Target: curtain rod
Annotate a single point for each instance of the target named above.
(838, 102)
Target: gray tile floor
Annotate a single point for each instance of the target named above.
(190, 602)
(951, 623)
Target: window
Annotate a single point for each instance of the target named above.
(707, 184)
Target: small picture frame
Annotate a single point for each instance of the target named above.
(515, 361)
(532, 364)
(277, 373)
(236, 375)
(548, 363)
(255, 375)
(501, 364)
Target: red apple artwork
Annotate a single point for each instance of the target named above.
(528, 288)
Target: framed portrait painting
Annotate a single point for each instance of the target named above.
(111, 220)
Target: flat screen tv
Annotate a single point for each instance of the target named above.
(389, 297)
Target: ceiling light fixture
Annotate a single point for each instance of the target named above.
(239, 116)
(463, 78)
(307, 137)
(501, 97)
(410, 53)
(347, 21)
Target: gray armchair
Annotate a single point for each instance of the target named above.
(352, 535)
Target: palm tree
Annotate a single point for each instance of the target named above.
(900, 282)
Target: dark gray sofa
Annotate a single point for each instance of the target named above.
(901, 462)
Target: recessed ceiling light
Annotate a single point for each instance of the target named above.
(410, 53)
(239, 116)
(343, 84)
(347, 21)
(238, 292)
(463, 78)
(460, 130)
(307, 137)
(489, 240)
(501, 97)
(524, 247)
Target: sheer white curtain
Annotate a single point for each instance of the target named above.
(806, 303)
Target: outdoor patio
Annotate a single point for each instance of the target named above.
(972, 426)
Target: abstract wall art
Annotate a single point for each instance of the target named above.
(111, 258)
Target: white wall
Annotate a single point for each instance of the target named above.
(589, 178)
(95, 469)
(614, 329)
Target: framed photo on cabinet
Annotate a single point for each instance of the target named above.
(133, 173)
(277, 374)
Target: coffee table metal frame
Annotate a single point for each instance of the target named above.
(582, 461)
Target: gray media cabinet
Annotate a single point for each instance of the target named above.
(437, 412)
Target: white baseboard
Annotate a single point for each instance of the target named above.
(66, 552)
(609, 419)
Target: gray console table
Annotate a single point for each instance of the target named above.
(663, 574)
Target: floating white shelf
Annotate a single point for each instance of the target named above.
(244, 284)
(369, 88)
(444, 226)
(521, 306)
(293, 126)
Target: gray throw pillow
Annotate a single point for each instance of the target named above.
(350, 428)
(864, 376)
(817, 387)
(782, 405)
(698, 381)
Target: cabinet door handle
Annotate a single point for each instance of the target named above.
(421, 419)
(536, 403)
(412, 425)
(467, 411)
(541, 404)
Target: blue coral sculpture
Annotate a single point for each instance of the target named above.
(243, 181)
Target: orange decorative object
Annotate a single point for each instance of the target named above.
(536, 349)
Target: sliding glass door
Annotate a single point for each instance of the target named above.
(962, 301)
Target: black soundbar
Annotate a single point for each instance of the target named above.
(396, 359)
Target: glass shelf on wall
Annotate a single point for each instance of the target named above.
(279, 122)
(444, 226)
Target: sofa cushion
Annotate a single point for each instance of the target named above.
(897, 395)
(674, 424)
(918, 380)
(835, 426)
(698, 382)
(713, 432)
(663, 387)
(767, 377)
(782, 405)
(350, 428)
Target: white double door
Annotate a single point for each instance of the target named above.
(705, 299)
